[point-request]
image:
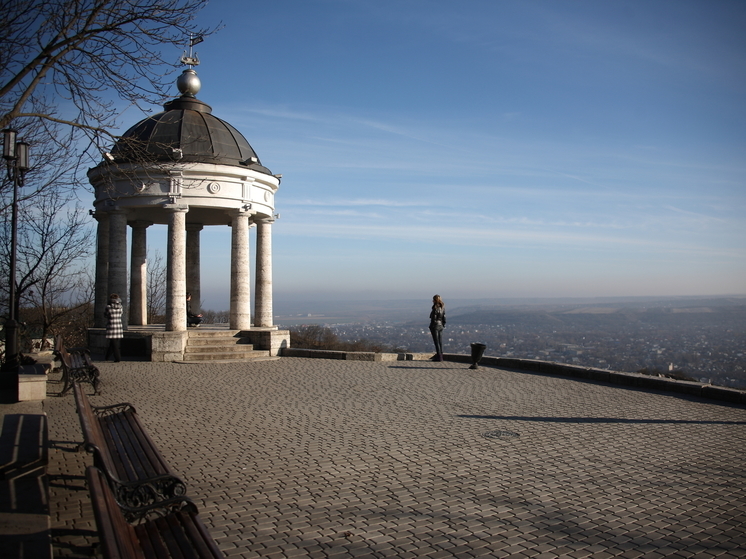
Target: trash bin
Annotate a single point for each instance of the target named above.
(477, 351)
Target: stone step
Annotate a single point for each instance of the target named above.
(220, 345)
(204, 342)
(207, 333)
(219, 348)
(227, 356)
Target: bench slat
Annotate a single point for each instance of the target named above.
(117, 536)
(199, 535)
(125, 449)
(174, 538)
(93, 435)
(116, 447)
(148, 532)
(153, 456)
(146, 544)
(178, 535)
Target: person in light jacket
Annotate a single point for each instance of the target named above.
(437, 324)
(114, 327)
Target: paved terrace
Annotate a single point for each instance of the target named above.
(322, 458)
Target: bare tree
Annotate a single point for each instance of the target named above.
(215, 317)
(54, 241)
(156, 287)
(62, 61)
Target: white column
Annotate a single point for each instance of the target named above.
(102, 269)
(193, 282)
(240, 313)
(118, 259)
(263, 289)
(176, 269)
(139, 273)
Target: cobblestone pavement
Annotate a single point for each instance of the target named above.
(320, 458)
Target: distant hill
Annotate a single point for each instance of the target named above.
(589, 318)
(487, 311)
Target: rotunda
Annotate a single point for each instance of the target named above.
(187, 169)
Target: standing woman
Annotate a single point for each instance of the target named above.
(114, 328)
(437, 323)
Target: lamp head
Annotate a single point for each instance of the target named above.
(22, 156)
(9, 144)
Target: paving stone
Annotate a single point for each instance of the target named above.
(286, 457)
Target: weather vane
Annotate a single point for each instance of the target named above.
(191, 59)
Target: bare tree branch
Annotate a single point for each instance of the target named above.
(54, 240)
(156, 288)
(81, 51)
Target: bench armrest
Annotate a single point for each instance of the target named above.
(102, 411)
(136, 515)
(139, 493)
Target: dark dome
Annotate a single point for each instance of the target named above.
(186, 132)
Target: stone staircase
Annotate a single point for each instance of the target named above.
(220, 345)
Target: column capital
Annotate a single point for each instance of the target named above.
(176, 208)
(265, 220)
(240, 212)
(140, 223)
(194, 227)
(99, 215)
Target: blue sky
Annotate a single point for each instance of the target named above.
(488, 148)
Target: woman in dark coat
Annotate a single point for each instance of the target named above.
(437, 324)
(114, 327)
(192, 319)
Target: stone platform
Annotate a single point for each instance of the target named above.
(154, 343)
(334, 459)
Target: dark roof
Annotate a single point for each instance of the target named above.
(187, 125)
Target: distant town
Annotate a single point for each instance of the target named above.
(704, 339)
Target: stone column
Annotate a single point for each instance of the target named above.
(263, 289)
(118, 259)
(101, 293)
(139, 273)
(176, 268)
(240, 314)
(193, 284)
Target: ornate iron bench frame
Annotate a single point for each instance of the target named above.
(163, 532)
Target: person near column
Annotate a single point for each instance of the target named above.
(114, 327)
(437, 324)
(192, 319)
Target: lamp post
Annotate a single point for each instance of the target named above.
(15, 154)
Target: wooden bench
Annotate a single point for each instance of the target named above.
(137, 472)
(174, 532)
(76, 367)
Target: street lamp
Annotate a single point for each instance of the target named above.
(15, 154)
